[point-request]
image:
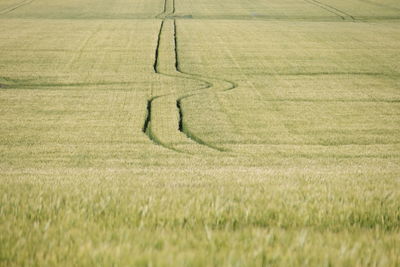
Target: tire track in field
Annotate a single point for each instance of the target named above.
(227, 85)
(168, 5)
(210, 85)
(147, 129)
(343, 15)
(149, 108)
(162, 12)
(18, 5)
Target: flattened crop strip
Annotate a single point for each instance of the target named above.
(232, 85)
(184, 129)
(149, 107)
(146, 126)
(147, 123)
(147, 129)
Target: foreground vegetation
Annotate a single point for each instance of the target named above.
(234, 133)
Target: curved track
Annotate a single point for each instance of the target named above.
(193, 143)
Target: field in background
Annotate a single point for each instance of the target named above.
(197, 133)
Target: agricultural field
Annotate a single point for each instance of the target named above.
(200, 133)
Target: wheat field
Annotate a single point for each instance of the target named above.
(199, 133)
